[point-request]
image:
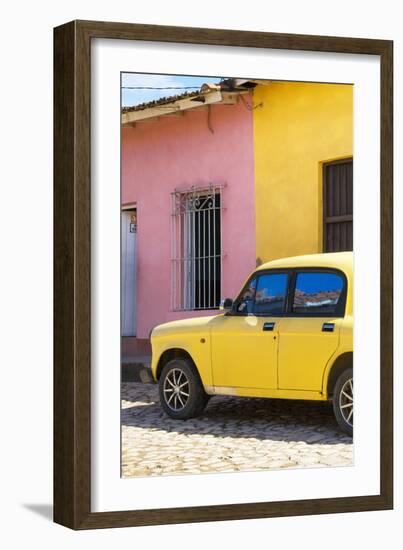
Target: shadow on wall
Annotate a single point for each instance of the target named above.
(43, 510)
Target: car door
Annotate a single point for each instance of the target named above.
(309, 333)
(245, 341)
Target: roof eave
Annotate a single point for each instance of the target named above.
(210, 97)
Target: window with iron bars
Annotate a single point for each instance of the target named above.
(196, 263)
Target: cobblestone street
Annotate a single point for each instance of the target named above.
(233, 434)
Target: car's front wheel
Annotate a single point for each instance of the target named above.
(343, 401)
(181, 392)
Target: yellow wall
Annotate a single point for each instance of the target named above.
(298, 127)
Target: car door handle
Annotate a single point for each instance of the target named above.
(268, 326)
(328, 327)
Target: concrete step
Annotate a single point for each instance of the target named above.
(137, 368)
(136, 359)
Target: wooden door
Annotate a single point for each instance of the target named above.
(338, 206)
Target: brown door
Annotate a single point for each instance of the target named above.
(338, 206)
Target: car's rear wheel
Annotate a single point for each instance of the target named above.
(181, 392)
(343, 401)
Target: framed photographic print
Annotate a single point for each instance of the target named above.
(223, 212)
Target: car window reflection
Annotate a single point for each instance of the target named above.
(317, 292)
(271, 293)
(245, 304)
(264, 295)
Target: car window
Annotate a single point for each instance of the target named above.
(271, 292)
(245, 301)
(264, 295)
(317, 292)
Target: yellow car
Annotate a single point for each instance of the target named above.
(288, 335)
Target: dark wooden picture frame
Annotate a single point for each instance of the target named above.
(72, 269)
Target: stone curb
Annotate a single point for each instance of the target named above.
(136, 372)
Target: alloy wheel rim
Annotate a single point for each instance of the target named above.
(346, 401)
(176, 389)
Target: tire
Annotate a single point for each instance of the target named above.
(343, 403)
(182, 395)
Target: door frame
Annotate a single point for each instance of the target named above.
(324, 164)
(125, 208)
(129, 206)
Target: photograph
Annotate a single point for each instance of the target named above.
(237, 274)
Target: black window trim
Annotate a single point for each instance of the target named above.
(289, 301)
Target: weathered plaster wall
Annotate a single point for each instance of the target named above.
(299, 126)
(170, 153)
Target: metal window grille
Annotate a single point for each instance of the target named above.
(196, 255)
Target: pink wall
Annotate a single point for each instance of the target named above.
(160, 156)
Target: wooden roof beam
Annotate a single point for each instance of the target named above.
(176, 106)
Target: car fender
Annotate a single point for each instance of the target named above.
(196, 344)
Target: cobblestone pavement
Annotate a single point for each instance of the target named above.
(233, 434)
